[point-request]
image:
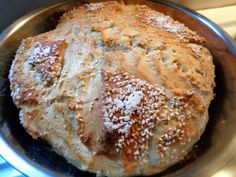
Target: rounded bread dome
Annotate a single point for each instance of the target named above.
(119, 90)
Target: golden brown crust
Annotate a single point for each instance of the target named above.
(39, 61)
(117, 89)
(166, 23)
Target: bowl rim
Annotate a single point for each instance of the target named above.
(29, 167)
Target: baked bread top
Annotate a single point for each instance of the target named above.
(117, 89)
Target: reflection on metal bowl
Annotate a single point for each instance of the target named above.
(214, 153)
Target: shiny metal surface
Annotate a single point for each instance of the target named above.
(216, 151)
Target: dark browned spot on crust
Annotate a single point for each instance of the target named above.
(29, 96)
(47, 58)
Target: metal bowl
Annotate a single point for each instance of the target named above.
(216, 151)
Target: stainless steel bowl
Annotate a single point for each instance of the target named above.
(216, 151)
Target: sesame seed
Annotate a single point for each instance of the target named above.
(81, 120)
(136, 102)
(136, 152)
(29, 94)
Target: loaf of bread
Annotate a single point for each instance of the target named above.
(118, 90)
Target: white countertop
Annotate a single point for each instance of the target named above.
(224, 17)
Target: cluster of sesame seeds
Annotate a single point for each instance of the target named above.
(196, 49)
(16, 92)
(133, 108)
(81, 124)
(92, 103)
(94, 6)
(180, 112)
(41, 52)
(171, 137)
(24, 94)
(76, 105)
(21, 47)
(45, 58)
(165, 23)
(16, 89)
